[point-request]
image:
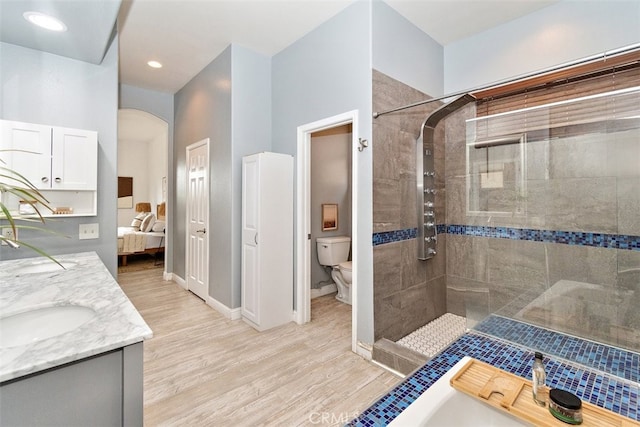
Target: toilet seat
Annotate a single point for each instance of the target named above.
(345, 265)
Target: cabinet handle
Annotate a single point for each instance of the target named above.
(255, 238)
(58, 179)
(45, 179)
(203, 231)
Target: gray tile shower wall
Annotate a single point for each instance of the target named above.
(408, 293)
(586, 183)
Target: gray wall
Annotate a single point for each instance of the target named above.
(160, 104)
(330, 183)
(325, 73)
(49, 89)
(203, 110)
(565, 31)
(403, 51)
(251, 133)
(228, 102)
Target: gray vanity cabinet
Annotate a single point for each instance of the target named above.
(104, 390)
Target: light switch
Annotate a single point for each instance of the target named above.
(89, 231)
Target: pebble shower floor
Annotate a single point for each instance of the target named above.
(435, 335)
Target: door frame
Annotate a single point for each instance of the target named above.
(303, 217)
(190, 147)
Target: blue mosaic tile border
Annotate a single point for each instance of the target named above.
(605, 391)
(400, 235)
(599, 240)
(622, 363)
(394, 236)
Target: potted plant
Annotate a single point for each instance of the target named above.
(14, 183)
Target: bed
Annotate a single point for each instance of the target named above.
(146, 235)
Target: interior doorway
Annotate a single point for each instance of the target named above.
(143, 150)
(304, 241)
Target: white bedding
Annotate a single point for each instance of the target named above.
(131, 241)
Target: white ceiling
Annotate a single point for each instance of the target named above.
(89, 27)
(186, 35)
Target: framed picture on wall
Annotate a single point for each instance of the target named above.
(329, 217)
(125, 192)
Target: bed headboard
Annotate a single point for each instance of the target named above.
(160, 211)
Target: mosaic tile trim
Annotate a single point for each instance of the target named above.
(599, 240)
(384, 237)
(394, 236)
(616, 361)
(618, 396)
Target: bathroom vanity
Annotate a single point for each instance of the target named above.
(70, 345)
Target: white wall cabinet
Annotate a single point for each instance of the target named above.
(267, 240)
(61, 162)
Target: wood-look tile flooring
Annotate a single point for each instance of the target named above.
(201, 369)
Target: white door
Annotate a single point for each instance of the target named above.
(197, 256)
(75, 154)
(250, 296)
(29, 151)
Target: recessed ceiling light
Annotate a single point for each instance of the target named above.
(154, 64)
(45, 21)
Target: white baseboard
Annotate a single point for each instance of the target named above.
(229, 313)
(179, 280)
(325, 290)
(167, 277)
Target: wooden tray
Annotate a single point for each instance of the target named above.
(513, 394)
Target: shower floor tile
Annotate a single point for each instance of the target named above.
(435, 335)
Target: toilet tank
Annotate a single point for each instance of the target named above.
(333, 250)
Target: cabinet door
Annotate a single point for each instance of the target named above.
(250, 295)
(75, 159)
(26, 148)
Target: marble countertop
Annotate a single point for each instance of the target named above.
(87, 282)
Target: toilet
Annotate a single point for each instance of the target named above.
(334, 252)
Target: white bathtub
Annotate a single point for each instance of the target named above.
(442, 406)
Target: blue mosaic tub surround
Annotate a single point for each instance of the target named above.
(580, 238)
(615, 361)
(615, 394)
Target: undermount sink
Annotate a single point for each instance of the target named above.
(46, 267)
(443, 405)
(41, 323)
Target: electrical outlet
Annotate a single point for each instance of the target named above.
(89, 231)
(8, 233)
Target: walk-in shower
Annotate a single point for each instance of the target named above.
(527, 201)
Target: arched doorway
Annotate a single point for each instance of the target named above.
(143, 149)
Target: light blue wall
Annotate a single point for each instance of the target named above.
(325, 73)
(49, 89)
(563, 32)
(403, 51)
(203, 110)
(230, 103)
(251, 133)
(160, 104)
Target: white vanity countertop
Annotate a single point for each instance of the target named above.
(87, 283)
